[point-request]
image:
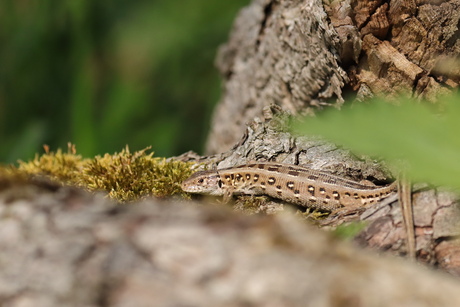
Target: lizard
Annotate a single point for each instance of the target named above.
(290, 183)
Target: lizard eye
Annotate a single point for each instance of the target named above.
(200, 180)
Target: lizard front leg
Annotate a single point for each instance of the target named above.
(228, 193)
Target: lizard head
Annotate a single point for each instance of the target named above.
(205, 182)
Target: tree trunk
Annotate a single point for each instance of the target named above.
(279, 52)
(303, 56)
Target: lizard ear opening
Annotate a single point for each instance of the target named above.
(219, 183)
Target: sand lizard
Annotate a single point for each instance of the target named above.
(291, 183)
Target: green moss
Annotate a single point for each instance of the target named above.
(9, 175)
(349, 230)
(312, 214)
(125, 176)
(62, 167)
(129, 176)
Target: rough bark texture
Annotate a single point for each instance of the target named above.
(63, 247)
(436, 212)
(407, 46)
(301, 55)
(279, 52)
(289, 53)
(436, 216)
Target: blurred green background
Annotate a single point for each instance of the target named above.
(106, 73)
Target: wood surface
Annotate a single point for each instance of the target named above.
(61, 246)
(304, 56)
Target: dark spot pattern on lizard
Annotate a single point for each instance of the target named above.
(336, 195)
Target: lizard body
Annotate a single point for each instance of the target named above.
(291, 183)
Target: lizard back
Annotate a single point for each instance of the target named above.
(295, 184)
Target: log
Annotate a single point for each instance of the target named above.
(62, 246)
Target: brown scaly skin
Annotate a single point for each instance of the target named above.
(291, 183)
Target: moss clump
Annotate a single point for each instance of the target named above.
(65, 168)
(129, 176)
(349, 230)
(312, 214)
(125, 176)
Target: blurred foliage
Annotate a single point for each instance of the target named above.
(421, 137)
(125, 176)
(103, 74)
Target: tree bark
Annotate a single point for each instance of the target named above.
(436, 211)
(279, 52)
(303, 56)
(64, 247)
